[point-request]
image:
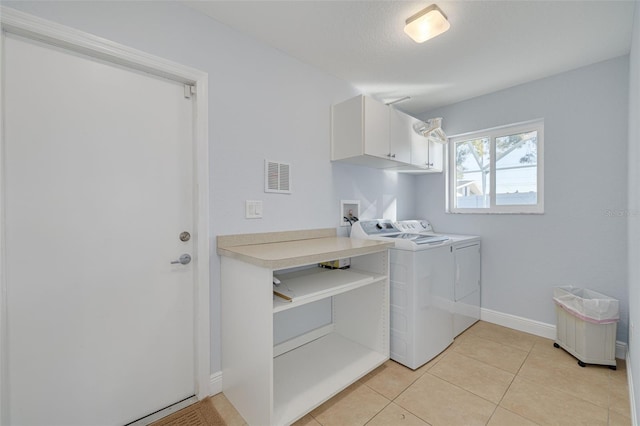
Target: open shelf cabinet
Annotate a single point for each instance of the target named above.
(278, 384)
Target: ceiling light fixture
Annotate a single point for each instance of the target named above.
(426, 24)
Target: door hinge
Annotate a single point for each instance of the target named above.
(189, 90)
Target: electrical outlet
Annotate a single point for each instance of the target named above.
(349, 209)
(253, 209)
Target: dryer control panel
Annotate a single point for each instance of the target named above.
(414, 226)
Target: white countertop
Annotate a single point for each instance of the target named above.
(295, 248)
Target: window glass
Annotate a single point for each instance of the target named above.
(498, 170)
(473, 167)
(516, 169)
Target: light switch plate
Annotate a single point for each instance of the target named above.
(253, 209)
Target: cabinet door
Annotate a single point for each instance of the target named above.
(436, 157)
(376, 128)
(400, 134)
(466, 287)
(347, 127)
(419, 146)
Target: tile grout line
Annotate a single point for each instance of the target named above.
(466, 390)
(379, 411)
(510, 383)
(501, 344)
(579, 397)
(493, 366)
(441, 356)
(507, 390)
(392, 401)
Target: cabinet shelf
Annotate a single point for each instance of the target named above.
(313, 284)
(311, 374)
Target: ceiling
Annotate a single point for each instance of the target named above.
(491, 45)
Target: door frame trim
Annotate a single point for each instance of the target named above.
(32, 27)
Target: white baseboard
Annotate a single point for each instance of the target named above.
(621, 350)
(519, 323)
(534, 327)
(215, 384)
(632, 399)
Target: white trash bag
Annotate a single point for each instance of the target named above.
(587, 305)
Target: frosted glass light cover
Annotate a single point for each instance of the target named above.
(426, 24)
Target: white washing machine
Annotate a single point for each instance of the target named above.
(466, 251)
(435, 291)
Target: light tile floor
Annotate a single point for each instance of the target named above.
(490, 375)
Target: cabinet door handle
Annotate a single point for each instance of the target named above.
(393, 155)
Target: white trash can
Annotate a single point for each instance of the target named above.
(586, 326)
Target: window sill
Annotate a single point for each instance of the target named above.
(496, 212)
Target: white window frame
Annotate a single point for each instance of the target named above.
(492, 134)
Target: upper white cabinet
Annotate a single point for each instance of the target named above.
(369, 133)
(360, 133)
(427, 156)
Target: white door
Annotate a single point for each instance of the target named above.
(98, 188)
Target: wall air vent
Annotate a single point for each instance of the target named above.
(277, 177)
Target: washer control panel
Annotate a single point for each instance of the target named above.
(379, 227)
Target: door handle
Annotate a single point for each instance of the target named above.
(183, 259)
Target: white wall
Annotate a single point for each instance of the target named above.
(575, 241)
(263, 104)
(634, 210)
